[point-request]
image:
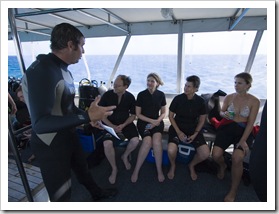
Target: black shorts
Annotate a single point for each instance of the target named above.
(197, 142)
(149, 132)
(231, 134)
(130, 131)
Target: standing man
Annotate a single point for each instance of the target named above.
(49, 92)
(121, 121)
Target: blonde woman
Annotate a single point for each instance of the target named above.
(150, 110)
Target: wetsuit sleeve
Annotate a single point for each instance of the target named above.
(50, 100)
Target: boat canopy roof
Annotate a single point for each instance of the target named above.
(35, 24)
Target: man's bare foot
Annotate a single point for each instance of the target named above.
(126, 162)
(171, 172)
(134, 178)
(161, 177)
(230, 197)
(221, 172)
(112, 177)
(193, 173)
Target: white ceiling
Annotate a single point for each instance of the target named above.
(95, 22)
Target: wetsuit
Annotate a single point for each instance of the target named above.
(258, 159)
(49, 92)
(123, 110)
(151, 105)
(187, 113)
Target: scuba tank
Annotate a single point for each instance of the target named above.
(88, 91)
(111, 86)
(102, 88)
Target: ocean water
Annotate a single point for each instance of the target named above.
(215, 71)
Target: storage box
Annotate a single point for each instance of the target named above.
(185, 153)
(150, 157)
(86, 141)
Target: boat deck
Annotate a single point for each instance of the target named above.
(208, 188)
(16, 189)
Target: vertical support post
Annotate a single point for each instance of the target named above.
(15, 36)
(11, 134)
(180, 58)
(253, 51)
(126, 42)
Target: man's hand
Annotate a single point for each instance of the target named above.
(97, 112)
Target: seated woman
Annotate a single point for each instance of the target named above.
(151, 110)
(187, 114)
(239, 112)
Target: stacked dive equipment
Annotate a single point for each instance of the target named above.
(88, 91)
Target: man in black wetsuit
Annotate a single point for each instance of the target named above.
(121, 121)
(49, 92)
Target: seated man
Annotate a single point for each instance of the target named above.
(121, 121)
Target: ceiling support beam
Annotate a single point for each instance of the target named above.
(239, 19)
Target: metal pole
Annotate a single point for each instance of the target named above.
(180, 58)
(253, 51)
(239, 18)
(123, 49)
(11, 134)
(19, 163)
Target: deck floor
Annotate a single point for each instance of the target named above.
(16, 189)
(181, 189)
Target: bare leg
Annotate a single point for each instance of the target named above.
(110, 154)
(172, 153)
(237, 170)
(158, 153)
(132, 145)
(202, 153)
(144, 149)
(217, 155)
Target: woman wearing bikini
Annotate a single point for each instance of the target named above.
(239, 112)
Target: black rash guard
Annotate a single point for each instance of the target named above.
(51, 103)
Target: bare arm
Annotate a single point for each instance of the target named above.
(224, 113)
(149, 120)
(198, 128)
(11, 101)
(250, 123)
(141, 116)
(179, 133)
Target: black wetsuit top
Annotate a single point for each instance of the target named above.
(123, 110)
(151, 104)
(186, 111)
(51, 103)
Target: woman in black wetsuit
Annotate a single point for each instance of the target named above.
(151, 110)
(49, 93)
